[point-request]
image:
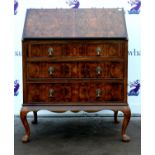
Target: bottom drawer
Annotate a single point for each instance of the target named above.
(74, 93)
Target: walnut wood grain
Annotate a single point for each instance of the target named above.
(75, 59)
(85, 69)
(75, 23)
(75, 93)
(79, 48)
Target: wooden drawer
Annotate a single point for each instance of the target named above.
(74, 92)
(45, 50)
(108, 49)
(54, 50)
(111, 69)
(103, 49)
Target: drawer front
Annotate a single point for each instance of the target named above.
(45, 50)
(54, 50)
(74, 92)
(104, 49)
(75, 70)
(52, 70)
(101, 70)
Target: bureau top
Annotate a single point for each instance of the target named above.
(75, 23)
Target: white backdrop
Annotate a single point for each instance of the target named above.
(132, 14)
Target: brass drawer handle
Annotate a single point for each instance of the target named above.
(51, 70)
(98, 70)
(98, 92)
(98, 51)
(51, 93)
(50, 51)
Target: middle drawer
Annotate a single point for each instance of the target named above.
(109, 69)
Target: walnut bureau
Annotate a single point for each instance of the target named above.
(75, 59)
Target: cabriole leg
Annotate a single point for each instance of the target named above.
(127, 115)
(23, 116)
(115, 117)
(35, 121)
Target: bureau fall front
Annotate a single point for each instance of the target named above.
(75, 59)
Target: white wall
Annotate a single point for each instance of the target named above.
(133, 28)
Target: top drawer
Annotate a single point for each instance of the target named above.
(103, 49)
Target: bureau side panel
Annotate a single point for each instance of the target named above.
(24, 66)
(125, 70)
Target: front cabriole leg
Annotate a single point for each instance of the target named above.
(127, 115)
(23, 116)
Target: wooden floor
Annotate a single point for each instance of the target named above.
(78, 136)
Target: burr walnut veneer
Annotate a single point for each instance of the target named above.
(75, 59)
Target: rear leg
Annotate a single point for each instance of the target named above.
(35, 121)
